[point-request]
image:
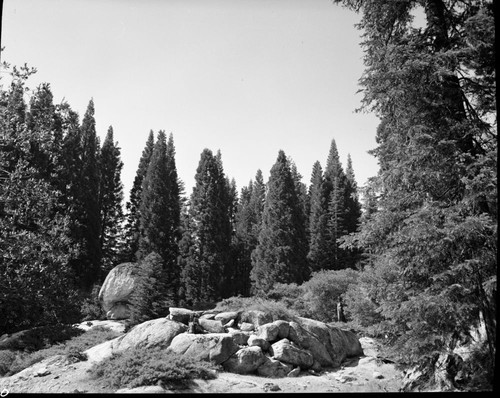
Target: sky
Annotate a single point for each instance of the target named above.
(246, 77)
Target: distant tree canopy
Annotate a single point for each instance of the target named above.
(215, 245)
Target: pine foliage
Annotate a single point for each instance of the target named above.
(280, 255)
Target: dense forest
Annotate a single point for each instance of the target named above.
(413, 253)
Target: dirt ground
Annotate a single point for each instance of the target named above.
(365, 374)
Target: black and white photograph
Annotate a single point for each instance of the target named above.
(248, 196)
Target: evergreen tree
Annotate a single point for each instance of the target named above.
(110, 198)
(280, 256)
(247, 227)
(352, 214)
(335, 187)
(435, 226)
(318, 255)
(133, 214)
(36, 282)
(160, 211)
(205, 246)
(88, 265)
(148, 299)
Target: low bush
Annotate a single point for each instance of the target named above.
(91, 308)
(277, 309)
(138, 367)
(12, 362)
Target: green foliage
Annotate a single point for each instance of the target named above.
(137, 367)
(150, 299)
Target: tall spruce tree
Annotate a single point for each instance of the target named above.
(132, 233)
(160, 211)
(247, 227)
(335, 186)
(88, 265)
(110, 201)
(436, 224)
(318, 254)
(205, 246)
(280, 255)
(352, 213)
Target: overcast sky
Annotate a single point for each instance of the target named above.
(248, 77)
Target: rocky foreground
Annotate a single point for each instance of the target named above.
(256, 353)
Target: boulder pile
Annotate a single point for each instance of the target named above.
(244, 342)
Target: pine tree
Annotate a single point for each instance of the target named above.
(433, 237)
(318, 227)
(352, 214)
(205, 246)
(88, 265)
(133, 214)
(110, 201)
(160, 211)
(247, 227)
(335, 185)
(280, 255)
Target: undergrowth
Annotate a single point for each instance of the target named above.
(277, 309)
(12, 362)
(139, 367)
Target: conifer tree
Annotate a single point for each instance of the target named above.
(247, 227)
(207, 234)
(280, 255)
(318, 255)
(352, 213)
(160, 211)
(110, 201)
(88, 265)
(433, 239)
(335, 181)
(133, 213)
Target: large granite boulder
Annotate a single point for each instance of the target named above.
(284, 351)
(212, 347)
(343, 344)
(155, 333)
(211, 325)
(182, 315)
(305, 339)
(226, 317)
(117, 289)
(245, 360)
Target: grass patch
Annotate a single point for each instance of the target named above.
(277, 309)
(139, 367)
(12, 362)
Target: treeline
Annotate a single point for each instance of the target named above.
(63, 225)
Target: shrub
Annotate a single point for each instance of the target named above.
(149, 300)
(12, 362)
(7, 357)
(322, 292)
(277, 309)
(91, 308)
(138, 367)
